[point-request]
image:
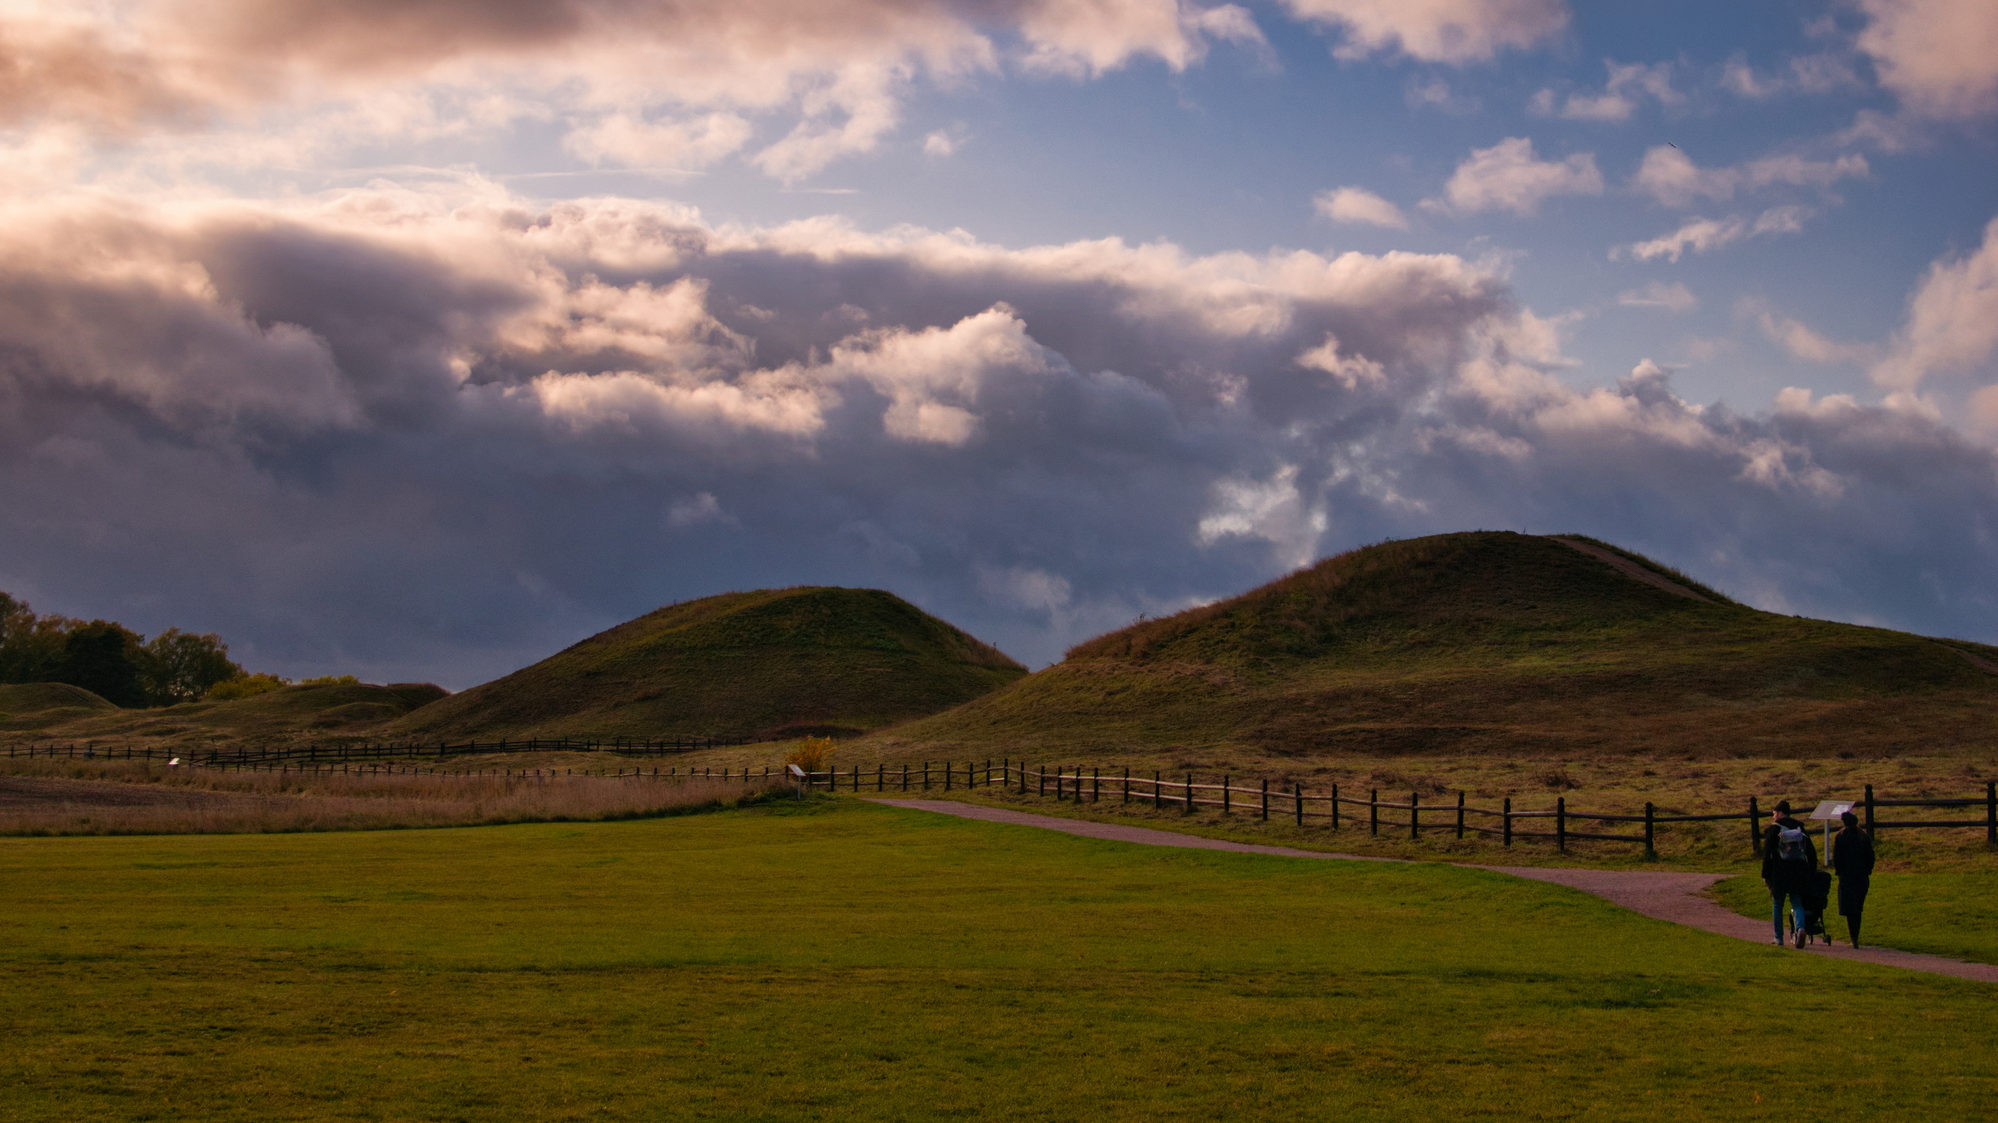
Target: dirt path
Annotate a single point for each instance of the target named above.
(1631, 569)
(1676, 897)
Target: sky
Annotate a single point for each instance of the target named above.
(418, 339)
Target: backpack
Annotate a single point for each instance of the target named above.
(1792, 844)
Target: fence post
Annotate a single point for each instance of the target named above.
(1869, 810)
(1158, 801)
(1095, 784)
(1755, 821)
(1189, 793)
(1991, 812)
(1414, 815)
(926, 775)
(946, 775)
(1335, 806)
(1042, 772)
(1374, 812)
(1650, 836)
(1460, 814)
(1266, 800)
(1227, 789)
(905, 776)
(856, 777)
(1505, 818)
(1561, 823)
(1127, 783)
(881, 777)
(1297, 790)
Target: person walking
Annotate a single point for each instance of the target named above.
(1788, 861)
(1852, 860)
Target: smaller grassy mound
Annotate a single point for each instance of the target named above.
(293, 713)
(765, 664)
(34, 705)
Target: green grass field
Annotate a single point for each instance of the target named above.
(1948, 912)
(840, 960)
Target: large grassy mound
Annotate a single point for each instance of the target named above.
(293, 713)
(1484, 642)
(757, 664)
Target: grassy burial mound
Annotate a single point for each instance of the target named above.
(1486, 643)
(37, 705)
(776, 662)
(291, 713)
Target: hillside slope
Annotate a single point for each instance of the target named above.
(757, 664)
(294, 713)
(1483, 642)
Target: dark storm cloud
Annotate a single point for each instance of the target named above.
(411, 440)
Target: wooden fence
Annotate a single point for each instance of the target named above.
(314, 753)
(1560, 824)
(274, 766)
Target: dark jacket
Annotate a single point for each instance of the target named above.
(1789, 876)
(1852, 858)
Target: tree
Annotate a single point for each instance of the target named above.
(31, 646)
(106, 659)
(180, 666)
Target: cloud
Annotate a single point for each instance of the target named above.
(1358, 205)
(1801, 342)
(1821, 73)
(1508, 177)
(1952, 323)
(1437, 94)
(638, 82)
(1671, 177)
(631, 141)
(1673, 297)
(1451, 31)
(414, 402)
(1940, 57)
(1700, 235)
(1628, 83)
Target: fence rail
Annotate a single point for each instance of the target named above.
(674, 773)
(1394, 815)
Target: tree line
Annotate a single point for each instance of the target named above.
(112, 661)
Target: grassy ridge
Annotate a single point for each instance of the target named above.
(329, 710)
(1485, 643)
(740, 664)
(856, 962)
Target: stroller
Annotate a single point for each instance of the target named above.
(1817, 898)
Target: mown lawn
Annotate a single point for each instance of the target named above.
(1947, 912)
(841, 960)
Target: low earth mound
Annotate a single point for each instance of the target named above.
(294, 713)
(1484, 642)
(772, 663)
(32, 705)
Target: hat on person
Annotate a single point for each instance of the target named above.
(1782, 807)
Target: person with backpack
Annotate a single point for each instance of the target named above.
(1852, 859)
(1788, 861)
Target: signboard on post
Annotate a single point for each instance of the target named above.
(1829, 810)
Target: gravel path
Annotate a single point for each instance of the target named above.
(1677, 897)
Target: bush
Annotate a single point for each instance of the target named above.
(813, 754)
(244, 686)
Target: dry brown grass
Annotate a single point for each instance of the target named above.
(48, 797)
